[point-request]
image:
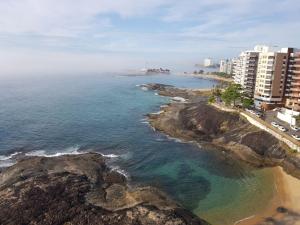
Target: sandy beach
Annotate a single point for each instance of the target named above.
(287, 189)
(209, 77)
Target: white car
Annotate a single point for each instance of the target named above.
(294, 128)
(281, 128)
(274, 124)
(295, 136)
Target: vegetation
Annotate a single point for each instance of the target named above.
(222, 74)
(211, 99)
(217, 91)
(247, 102)
(232, 94)
(198, 72)
(216, 94)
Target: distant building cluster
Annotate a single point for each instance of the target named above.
(271, 77)
(226, 66)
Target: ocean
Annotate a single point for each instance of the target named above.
(55, 115)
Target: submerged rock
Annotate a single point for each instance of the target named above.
(81, 189)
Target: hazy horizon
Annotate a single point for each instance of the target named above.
(93, 36)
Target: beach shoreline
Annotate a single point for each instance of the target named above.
(286, 198)
(284, 206)
(209, 77)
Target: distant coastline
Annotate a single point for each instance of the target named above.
(208, 76)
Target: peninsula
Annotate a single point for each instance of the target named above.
(230, 134)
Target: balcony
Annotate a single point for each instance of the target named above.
(293, 89)
(295, 78)
(295, 83)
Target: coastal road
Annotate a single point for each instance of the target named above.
(271, 116)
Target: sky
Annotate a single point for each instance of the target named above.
(91, 36)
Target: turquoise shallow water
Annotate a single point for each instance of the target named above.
(105, 113)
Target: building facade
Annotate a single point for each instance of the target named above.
(208, 62)
(226, 66)
(245, 71)
(271, 78)
(292, 89)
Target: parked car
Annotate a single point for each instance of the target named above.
(295, 136)
(276, 109)
(281, 128)
(295, 128)
(274, 124)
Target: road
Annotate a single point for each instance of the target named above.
(271, 116)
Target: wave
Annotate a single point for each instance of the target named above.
(68, 151)
(109, 155)
(4, 164)
(178, 140)
(4, 158)
(9, 160)
(121, 171)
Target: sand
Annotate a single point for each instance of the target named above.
(287, 189)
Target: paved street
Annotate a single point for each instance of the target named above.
(271, 116)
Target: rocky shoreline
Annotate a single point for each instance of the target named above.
(81, 189)
(197, 121)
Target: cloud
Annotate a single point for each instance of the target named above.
(66, 17)
(139, 30)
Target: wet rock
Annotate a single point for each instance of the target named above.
(81, 189)
(229, 132)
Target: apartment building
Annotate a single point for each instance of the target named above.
(208, 62)
(245, 69)
(271, 78)
(226, 66)
(292, 89)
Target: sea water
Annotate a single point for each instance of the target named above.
(55, 115)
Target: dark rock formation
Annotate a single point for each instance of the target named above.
(81, 189)
(171, 91)
(200, 122)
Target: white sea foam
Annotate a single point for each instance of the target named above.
(68, 151)
(110, 155)
(4, 164)
(179, 99)
(121, 171)
(178, 140)
(3, 157)
(158, 113)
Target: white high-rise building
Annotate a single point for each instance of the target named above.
(245, 68)
(226, 66)
(271, 78)
(208, 62)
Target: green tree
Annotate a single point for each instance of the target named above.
(212, 99)
(217, 91)
(231, 94)
(247, 102)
